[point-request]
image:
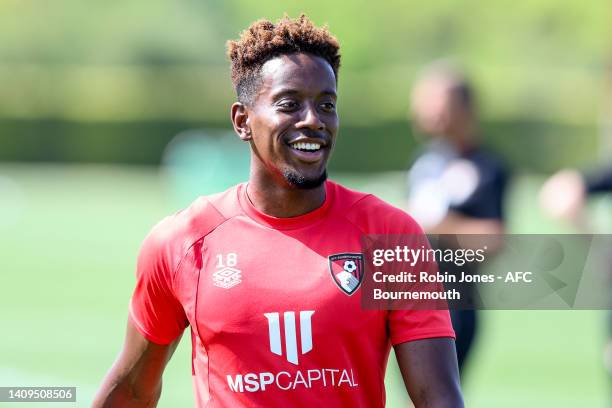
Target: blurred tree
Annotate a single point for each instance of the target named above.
(537, 64)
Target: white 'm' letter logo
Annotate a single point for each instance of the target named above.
(290, 334)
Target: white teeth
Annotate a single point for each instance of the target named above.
(306, 146)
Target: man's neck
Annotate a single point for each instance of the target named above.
(283, 201)
(464, 139)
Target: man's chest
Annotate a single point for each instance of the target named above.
(273, 285)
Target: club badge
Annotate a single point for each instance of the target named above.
(347, 271)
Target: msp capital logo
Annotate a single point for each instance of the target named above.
(290, 331)
(291, 340)
(347, 271)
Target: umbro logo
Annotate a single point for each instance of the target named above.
(227, 277)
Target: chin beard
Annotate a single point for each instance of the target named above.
(299, 181)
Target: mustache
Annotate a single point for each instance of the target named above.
(310, 134)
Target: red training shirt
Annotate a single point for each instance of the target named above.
(273, 303)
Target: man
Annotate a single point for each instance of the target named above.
(250, 269)
(564, 196)
(455, 186)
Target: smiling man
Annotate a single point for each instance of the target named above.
(267, 275)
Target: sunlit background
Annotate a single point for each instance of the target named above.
(116, 113)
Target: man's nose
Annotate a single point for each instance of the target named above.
(310, 119)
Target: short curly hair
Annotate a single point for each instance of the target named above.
(264, 40)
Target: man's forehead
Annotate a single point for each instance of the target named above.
(295, 71)
(429, 90)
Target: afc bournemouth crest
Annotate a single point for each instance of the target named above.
(347, 271)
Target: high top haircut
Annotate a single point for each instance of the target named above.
(264, 40)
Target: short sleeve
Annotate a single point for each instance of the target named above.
(419, 321)
(154, 308)
(600, 182)
(410, 325)
(487, 199)
(392, 226)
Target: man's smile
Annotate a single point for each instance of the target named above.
(308, 150)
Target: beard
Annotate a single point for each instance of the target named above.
(299, 181)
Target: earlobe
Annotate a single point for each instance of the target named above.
(240, 121)
(245, 130)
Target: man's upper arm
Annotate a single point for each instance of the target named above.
(430, 372)
(425, 350)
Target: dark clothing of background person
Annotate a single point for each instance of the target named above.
(471, 184)
(600, 182)
(594, 183)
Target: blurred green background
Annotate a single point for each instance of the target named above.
(114, 81)
(92, 92)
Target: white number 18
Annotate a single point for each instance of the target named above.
(231, 259)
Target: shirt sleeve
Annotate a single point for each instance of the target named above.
(154, 309)
(422, 320)
(410, 325)
(393, 226)
(487, 199)
(600, 182)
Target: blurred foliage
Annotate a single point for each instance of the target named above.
(135, 59)
(86, 70)
(525, 145)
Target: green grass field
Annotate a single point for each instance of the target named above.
(68, 241)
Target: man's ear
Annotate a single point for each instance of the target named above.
(240, 121)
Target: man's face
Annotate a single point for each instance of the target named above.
(433, 108)
(293, 119)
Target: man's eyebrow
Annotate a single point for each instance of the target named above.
(284, 92)
(291, 91)
(330, 93)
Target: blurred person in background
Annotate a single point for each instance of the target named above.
(455, 186)
(565, 194)
(239, 266)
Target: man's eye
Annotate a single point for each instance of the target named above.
(287, 105)
(329, 106)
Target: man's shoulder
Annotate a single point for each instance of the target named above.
(200, 218)
(488, 161)
(372, 214)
